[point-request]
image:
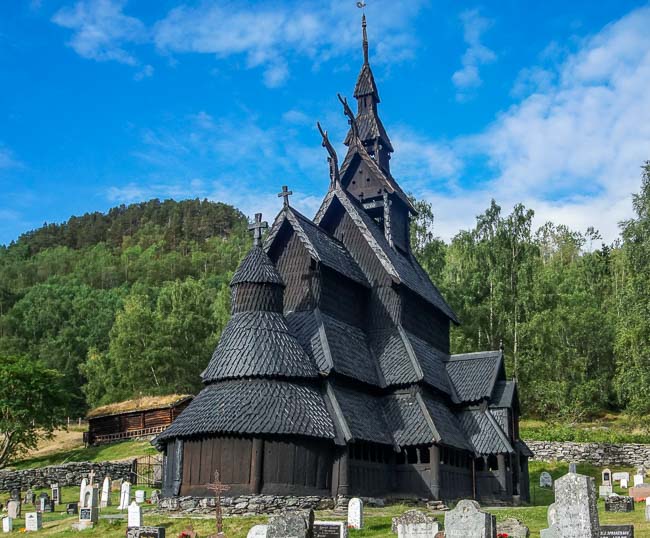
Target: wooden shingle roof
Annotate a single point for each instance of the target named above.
(253, 407)
(474, 375)
(484, 433)
(256, 268)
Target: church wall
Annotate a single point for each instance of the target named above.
(424, 321)
(295, 265)
(342, 298)
(363, 185)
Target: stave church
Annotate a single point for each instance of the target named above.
(334, 376)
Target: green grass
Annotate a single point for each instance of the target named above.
(611, 428)
(112, 452)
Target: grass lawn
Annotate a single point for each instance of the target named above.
(609, 428)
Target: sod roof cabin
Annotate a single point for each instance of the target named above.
(141, 417)
(334, 375)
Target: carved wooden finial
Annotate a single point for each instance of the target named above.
(332, 158)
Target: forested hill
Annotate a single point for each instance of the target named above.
(133, 301)
(125, 302)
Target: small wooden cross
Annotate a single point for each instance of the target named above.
(218, 488)
(91, 476)
(285, 194)
(257, 228)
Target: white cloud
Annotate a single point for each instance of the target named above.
(476, 55)
(571, 148)
(7, 159)
(145, 72)
(101, 31)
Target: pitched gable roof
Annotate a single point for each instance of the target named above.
(370, 127)
(403, 269)
(504, 394)
(366, 83)
(474, 375)
(484, 433)
(322, 247)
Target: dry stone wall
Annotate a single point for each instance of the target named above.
(599, 454)
(69, 474)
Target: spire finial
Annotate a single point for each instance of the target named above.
(365, 39)
(257, 227)
(285, 194)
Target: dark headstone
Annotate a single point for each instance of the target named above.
(573, 467)
(617, 531)
(72, 509)
(329, 529)
(14, 495)
(145, 532)
(291, 525)
(619, 504)
(85, 514)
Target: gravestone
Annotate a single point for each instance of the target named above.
(116, 485)
(637, 479)
(329, 529)
(258, 531)
(467, 521)
(513, 528)
(155, 497)
(291, 525)
(82, 491)
(7, 524)
(617, 477)
(145, 532)
(72, 509)
(412, 516)
(56, 494)
(545, 480)
(640, 493)
(125, 496)
(617, 503)
(106, 493)
(14, 495)
(617, 531)
(355, 513)
(624, 483)
(88, 517)
(140, 496)
(605, 491)
(33, 521)
(574, 513)
(29, 496)
(135, 515)
(13, 509)
(45, 504)
(606, 477)
(573, 468)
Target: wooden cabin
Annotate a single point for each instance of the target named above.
(334, 375)
(133, 418)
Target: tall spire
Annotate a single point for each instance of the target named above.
(365, 40)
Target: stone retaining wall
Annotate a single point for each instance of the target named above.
(69, 474)
(599, 454)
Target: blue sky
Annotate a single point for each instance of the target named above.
(105, 102)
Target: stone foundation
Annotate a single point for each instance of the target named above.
(69, 474)
(599, 454)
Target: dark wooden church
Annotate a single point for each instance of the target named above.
(334, 374)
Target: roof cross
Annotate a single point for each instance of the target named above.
(218, 488)
(285, 194)
(257, 228)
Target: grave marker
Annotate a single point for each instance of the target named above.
(467, 521)
(617, 503)
(218, 488)
(413, 521)
(29, 496)
(355, 513)
(330, 529)
(56, 493)
(7, 524)
(106, 493)
(72, 509)
(638, 479)
(513, 528)
(573, 468)
(258, 531)
(640, 492)
(291, 525)
(617, 531)
(606, 477)
(82, 491)
(13, 509)
(140, 496)
(574, 513)
(33, 521)
(135, 515)
(605, 491)
(146, 532)
(545, 480)
(617, 477)
(624, 483)
(125, 496)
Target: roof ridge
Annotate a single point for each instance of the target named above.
(473, 355)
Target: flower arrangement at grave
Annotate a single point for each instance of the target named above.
(188, 533)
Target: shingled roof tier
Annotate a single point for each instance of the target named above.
(450, 431)
(258, 344)
(403, 268)
(366, 83)
(432, 363)
(474, 375)
(256, 268)
(254, 407)
(504, 394)
(370, 127)
(322, 247)
(484, 433)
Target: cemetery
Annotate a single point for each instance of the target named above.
(333, 404)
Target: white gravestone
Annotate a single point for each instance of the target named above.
(545, 480)
(13, 509)
(56, 493)
(355, 513)
(33, 521)
(467, 521)
(328, 528)
(624, 484)
(638, 479)
(606, 477)
(135, 515)
(574, 513)
(258, 531)
(125, 496)
(106, 493)
(617, 477)
(605, 491)
(7, 524)
(647, 509)
(82, 491)
(140, 496)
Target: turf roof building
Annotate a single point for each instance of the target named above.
(334, 374)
